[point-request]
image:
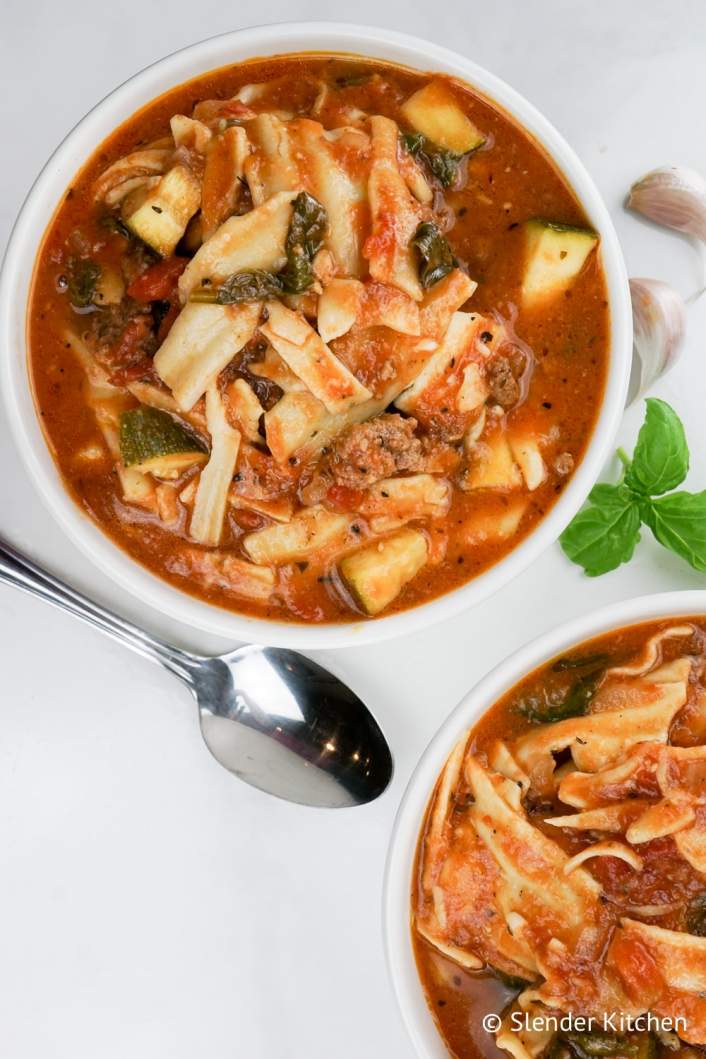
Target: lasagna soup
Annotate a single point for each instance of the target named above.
(562, 865)
(316, 338)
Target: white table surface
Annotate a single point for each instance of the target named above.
(150, 905)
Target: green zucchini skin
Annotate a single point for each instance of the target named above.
(152, 440)
(555, 255)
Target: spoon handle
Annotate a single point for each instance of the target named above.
(20, 572)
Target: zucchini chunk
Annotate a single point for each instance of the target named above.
(163, 213)
(312, 530)
(152, 441)
(377, 574)
(434, 112)
(555, 254)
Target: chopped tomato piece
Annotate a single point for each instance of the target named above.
(159, 281)
(127, 359)
(132, 372)
(345, 498)
(131, 339)
(167, 320)
(637, 968)
(249, 520)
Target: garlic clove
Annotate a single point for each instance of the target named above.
(673, 196)
(659, 327)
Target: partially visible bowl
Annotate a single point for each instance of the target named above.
(397, 928)
(40, 205)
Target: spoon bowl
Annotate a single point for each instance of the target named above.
(272, 717)
(284, 724)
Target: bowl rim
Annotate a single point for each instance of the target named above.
(39, 206)
(399, 957)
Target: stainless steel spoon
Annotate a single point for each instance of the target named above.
(270, 716)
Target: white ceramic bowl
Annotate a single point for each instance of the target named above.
(39, 208)
(403, 842)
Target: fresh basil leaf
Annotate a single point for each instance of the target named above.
(661, 458)
(610, 496)
(304, 240)
(678, 521)
(603, 536)
(437, 259)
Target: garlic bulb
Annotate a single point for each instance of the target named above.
(673, 196)
(659, 326)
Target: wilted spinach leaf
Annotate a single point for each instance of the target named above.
(510, 981)
(83, 277)
(444, 164)
(352, 80)
(304, 240)
(696, 915)
(437, 259)
(580, 662)
(555, 704)
(413, 142)
(112, 223)
(591, 1045)
(253, 286)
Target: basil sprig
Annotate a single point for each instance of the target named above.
(604, 534)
